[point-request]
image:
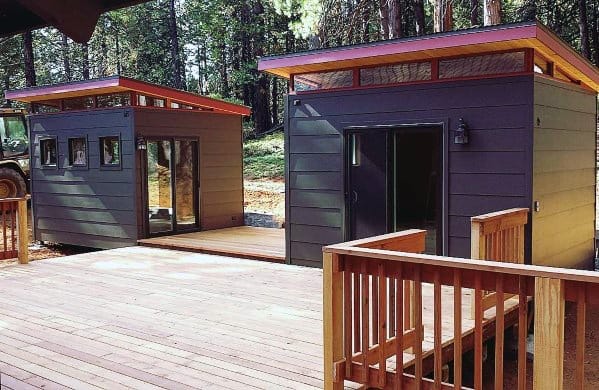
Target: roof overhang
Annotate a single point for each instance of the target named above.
(117, 84)
(76, 18)
(531, 35)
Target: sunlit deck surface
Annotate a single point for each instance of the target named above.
(242, 241)
(150, 318)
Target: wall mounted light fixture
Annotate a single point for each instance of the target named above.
(461, 133)
(141, 143)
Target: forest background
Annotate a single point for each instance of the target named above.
(211, 47)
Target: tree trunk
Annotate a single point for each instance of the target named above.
(85, 70)
(419, 17)
(28, 59)
(443, 15)
(492, 12)
(395, 17)
(595, 32)
(583, 25)
(117, 50)
(7, 103)
(275, 100)
(178, 81)
(366, 24)
(384, 18)
(261, 106)
(474, 12)
(66, 62)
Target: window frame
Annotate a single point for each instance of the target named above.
(110, 167)
(71, 165)
(41, 140)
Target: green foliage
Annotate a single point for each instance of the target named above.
(264, 158)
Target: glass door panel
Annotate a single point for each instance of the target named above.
(160, 197)
(185, 187)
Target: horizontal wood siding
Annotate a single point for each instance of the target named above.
(491, 173)
(564, 175)
(90, 206)
(221, 164)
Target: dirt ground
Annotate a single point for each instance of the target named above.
(265, 196)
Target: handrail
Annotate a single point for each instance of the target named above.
(367, 362)
(14, 236)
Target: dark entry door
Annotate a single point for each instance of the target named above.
(394, 182)
(171, 186)
(368, 183)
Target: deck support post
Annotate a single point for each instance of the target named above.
(22, 233)
(549, 334)
(333, 319)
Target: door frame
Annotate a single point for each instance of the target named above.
(443, 127)
(196, 183)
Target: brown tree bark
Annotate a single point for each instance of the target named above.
(28, 60)
(178, 79)
(443, 15)
(275, 100)
(474, 12)
(85, 69)
(261, 106)
(395, 17)
(419, 17)
(492, 10)
(7, 102)
(384, 18)
(595, 32)
(583, 26)
(66, 62)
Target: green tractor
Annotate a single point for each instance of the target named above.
(14, 153)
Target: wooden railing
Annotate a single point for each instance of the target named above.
(498, 236)
(360, 347)
(14, 236)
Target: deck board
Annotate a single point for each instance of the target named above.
(242, 241)
(148, 318)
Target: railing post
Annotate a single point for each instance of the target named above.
(333, 319)
(23, 234)
(549, 334)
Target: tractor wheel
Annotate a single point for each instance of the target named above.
(12, 184)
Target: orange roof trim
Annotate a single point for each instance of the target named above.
(119, 84)
(528, 35)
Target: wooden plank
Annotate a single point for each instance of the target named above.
(399, 328)
(437, 330)
(499, 333)
(347, 320)
(332, 318)
(457, 328)
(382, 317)
(418, 372)
(23, 234)
(549, 334)
(365, 293)
(522, 332)
(580, 337)
(478, 334)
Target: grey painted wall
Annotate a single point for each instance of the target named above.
(492, 173)
(90, 206)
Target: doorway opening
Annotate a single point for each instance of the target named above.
(394, 182)
(171, 186)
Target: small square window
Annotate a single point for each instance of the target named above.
(110, 151)
(78, 152)
(48, 152)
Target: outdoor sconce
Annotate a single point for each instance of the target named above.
(141, 143)
(461, 133)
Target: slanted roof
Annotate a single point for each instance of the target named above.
(75, 18)
(529, 35)
(119, 84)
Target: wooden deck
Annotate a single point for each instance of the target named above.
(150, 318)
(243, 241)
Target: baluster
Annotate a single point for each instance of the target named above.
(391, 314)
(375, 310)
(382, 336)
(499, 329)
(478, 333)
(399, 329)
(365, 321)
(13, 225)
(347, 321)
(457, 329)
(4, 227)
(580, 336)
(418, 325)
(522, 332)
(357, 304)
(437, 330)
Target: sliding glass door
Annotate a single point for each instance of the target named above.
(171, 182)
